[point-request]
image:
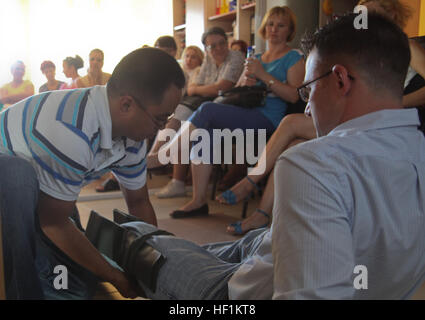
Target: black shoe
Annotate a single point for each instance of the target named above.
(202, 211)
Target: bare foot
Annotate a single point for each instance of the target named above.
(240, 190)
(254, 221)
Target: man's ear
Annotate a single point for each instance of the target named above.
(341, 73)
(124, 103)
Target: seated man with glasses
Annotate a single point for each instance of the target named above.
(71, 138)
(348, 215)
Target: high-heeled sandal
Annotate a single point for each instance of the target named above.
(238, 225)
(230, 197)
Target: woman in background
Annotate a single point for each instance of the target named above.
(70, 69)
(192, 58)
(18, 89)
(95, 75)
(48, 68)
(239, 45)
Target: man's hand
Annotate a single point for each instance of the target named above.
(120, 281)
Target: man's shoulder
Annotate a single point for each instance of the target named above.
(315, 149)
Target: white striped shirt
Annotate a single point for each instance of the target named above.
(67, 137)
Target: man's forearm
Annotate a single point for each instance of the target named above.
(76, 245)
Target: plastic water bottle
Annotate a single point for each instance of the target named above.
(250, 52)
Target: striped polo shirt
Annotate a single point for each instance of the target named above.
(67, 137)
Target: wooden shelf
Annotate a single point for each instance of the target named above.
(180, 27)
(228, 16)
(248, 6)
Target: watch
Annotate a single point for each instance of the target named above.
(270, 83)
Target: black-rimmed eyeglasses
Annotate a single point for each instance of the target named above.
(159, 123)
(304, 90)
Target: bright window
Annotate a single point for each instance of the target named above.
(38, 30)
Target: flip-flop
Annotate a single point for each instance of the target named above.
(238, 224)
(230, 197)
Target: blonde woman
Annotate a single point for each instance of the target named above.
(192, 58)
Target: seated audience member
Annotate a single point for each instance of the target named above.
(167, 44)
(95, 75)
(281, 68)
(48, 68)
(192, 58)
(220, 70)
(338, 203)
(239, 45)
(18, 89)
(298, 128)
(70, 69)
(108, 135)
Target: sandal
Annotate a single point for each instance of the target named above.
(108, 185)
(238, 225)
(230, 197)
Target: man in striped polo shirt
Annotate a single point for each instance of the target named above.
(71, 138)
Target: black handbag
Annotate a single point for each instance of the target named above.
(246, 97)
(194, 102)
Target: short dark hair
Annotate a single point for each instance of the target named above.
(146, 74)
(213, 31)
(47, 64)
(242, 44)
(166, 42)
(380, 53)
(76, 62)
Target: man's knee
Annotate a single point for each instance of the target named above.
(15, 172)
